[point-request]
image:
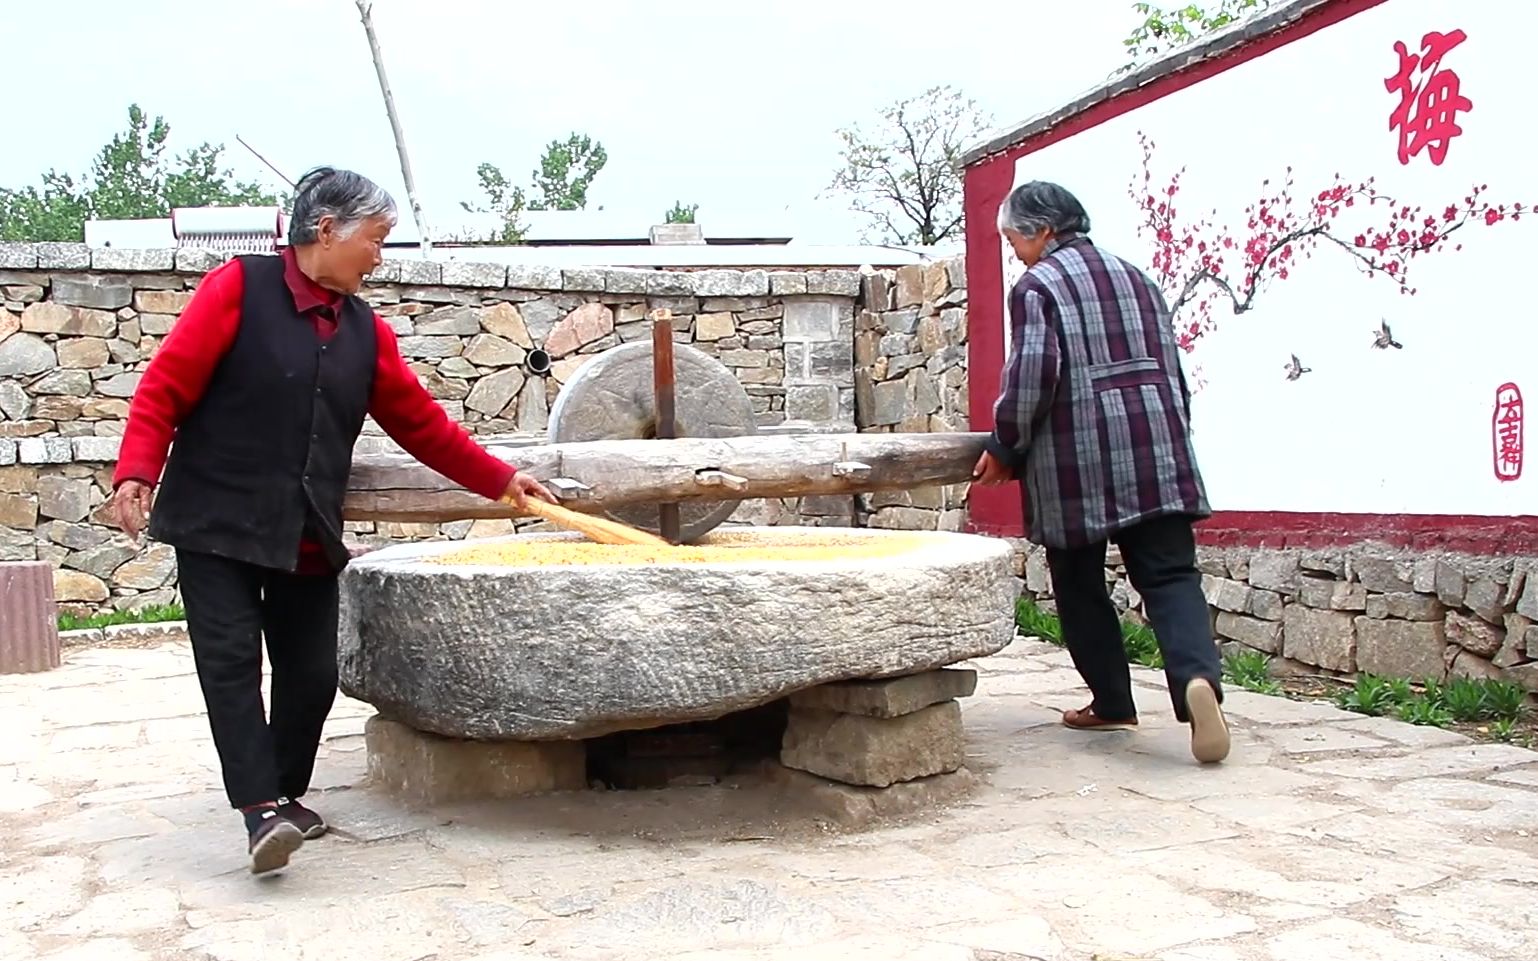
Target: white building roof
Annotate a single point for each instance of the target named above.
(560, 238)
(687, 255)
(593, 226)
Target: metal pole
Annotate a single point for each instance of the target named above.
(663, 382)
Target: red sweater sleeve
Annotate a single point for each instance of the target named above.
(179, 373)
(408, 413)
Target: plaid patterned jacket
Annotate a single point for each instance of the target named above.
(1094, 415)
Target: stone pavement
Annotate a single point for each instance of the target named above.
(1326, 836)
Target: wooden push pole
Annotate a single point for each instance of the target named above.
(663, 381)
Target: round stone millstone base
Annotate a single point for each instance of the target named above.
(527, 651)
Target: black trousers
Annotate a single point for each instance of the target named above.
(230, 606)
(1160, 555)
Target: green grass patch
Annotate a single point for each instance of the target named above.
(1250, 670)
(1438, 704)
(1505, 701)
(1035, 622)
(1370, 695)
(156, 614)
(1507, 730)
(1142, 647)
(1424, 711)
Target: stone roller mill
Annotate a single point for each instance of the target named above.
(823, 650)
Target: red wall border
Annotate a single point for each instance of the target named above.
(997, 511)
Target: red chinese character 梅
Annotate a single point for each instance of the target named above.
(1429, 98)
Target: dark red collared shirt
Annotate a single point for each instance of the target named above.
(180, 370)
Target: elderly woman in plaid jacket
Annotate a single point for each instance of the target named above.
(1094, 420)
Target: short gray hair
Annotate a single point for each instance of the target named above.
(350, 198)
(1030, 207)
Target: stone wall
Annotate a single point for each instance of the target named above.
(78, 326)
(910, 376)
(910, 349)
(1363, 609)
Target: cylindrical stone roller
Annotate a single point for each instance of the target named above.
(611, 398)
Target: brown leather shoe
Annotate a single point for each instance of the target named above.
(1085, 719)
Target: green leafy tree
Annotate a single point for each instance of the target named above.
(503, 199)
(904, 173)
(133, 176)
(681, 214)
(57, 210)
(1166, 29)
(566, 171)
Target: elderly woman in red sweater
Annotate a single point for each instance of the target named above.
(264, 384)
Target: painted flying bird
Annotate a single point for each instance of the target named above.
(1296, 369)
(1384, 338)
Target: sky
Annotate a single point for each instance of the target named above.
(730, 105)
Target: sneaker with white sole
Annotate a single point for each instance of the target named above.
(272, 838)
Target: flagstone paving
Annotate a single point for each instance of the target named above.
(1326, 836)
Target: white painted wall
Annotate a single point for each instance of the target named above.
(1375, 431)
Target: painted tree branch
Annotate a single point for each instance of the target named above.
(1200, 264)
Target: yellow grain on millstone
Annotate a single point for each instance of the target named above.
(718, 548)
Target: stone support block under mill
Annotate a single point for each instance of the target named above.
(875, 751)
(879, 733)
(428, 769)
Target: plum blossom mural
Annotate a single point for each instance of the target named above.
(1205, 265)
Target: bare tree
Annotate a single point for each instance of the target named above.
(365, 8)
(904, 173)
